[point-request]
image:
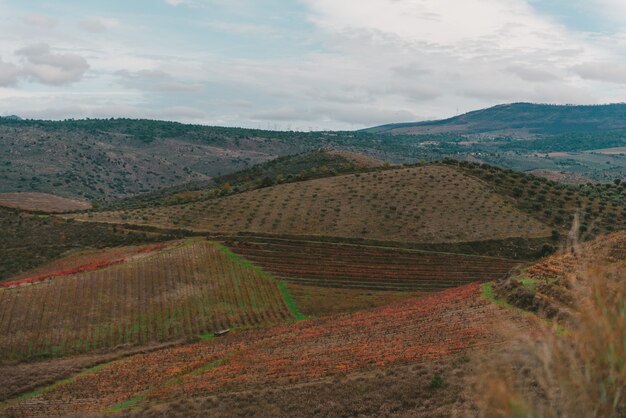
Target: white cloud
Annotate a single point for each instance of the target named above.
(174, 2)
(47, 67)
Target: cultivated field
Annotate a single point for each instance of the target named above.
(437, 326)
(320, 301)
(42, 202)
(362, 267)
(432, 204)
(80, 262)
(28, 240)
(183, 291)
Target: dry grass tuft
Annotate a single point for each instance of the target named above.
(573, 369)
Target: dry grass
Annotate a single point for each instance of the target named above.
(322, 301)
(578, 370)
(432, 204)
(42, 202)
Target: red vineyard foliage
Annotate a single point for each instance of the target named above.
(81, 268)
(438, 325)
(376, 268)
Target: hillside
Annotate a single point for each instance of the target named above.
(116, 158)
(367, 267)
(546, 287)
(42, 202)
(154, 294)
(104, 159)
(430, 204)
(107, 160)
(294, 360)
(31, 240)
(521, 120)
(290, 168)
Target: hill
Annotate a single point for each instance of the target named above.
(521, 120)
(430, 204)
(153, 294)
(304, 166)
(107, 160)
(116, 158)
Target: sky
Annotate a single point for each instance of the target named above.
(305, 64)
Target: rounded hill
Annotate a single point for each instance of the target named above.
(428, 204)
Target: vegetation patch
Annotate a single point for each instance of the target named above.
(177, 293)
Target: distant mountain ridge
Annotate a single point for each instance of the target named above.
(520, 120)
(11, 117)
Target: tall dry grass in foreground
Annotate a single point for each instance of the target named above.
(573, 369)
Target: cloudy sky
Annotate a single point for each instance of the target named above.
(305, 64)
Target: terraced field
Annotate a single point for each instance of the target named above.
(361, 267)
(182, 291)
(437, 326)
(430, 204)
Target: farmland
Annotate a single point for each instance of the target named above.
(30, 240)
(182, 291)
(317, 301)
(373, 268)
(430, 204)
(438, 326)
(42, 202)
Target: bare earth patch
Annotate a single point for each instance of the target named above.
(42, 202)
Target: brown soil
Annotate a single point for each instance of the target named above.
(42, 202)
(322, 301)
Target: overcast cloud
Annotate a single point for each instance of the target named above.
(307, 64)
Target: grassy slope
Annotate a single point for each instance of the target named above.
(180, 292)
(422, 204)
(42, 202)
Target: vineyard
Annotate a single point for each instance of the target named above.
(80, 263)
(182, 291)
(360, 267)
(436, 326)
(430, 204)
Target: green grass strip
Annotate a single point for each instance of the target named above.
(291, 304)
(53, 386)
(126, 404)
(134, 401)
(489, 294)
(289, 301)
